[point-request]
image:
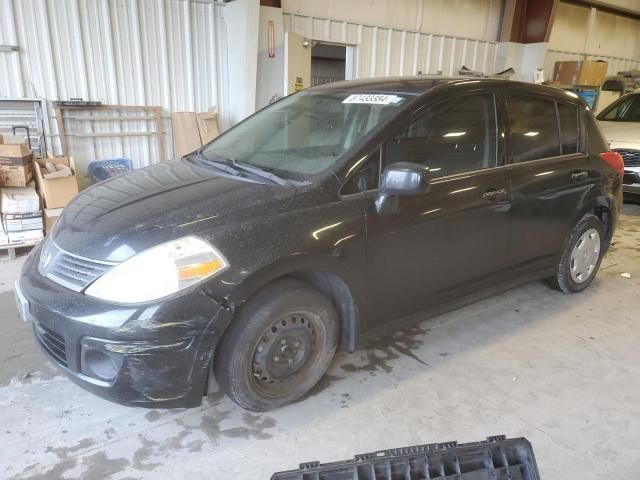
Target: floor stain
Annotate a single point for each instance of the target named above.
(152, 415)
(255, 426)
(325, 382)
(101, 467)
(66, 462)
(143, 454)
(377, 354)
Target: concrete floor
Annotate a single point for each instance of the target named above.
(561, 370)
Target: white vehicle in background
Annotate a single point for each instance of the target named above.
(620, 124)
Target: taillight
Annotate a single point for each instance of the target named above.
(614, 159)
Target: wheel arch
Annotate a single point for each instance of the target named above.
(606, 210)
(334, 283)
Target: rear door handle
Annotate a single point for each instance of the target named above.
(579, 176)
(495, 194)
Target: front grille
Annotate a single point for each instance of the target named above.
(631, 157)
(52, 342)
(69, 270)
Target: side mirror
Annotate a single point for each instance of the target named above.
(404, 178)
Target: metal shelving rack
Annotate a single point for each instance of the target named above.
(29, 112)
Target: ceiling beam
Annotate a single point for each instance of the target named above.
(606, 7)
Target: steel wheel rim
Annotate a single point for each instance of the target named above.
(585, 255)
(285, 352)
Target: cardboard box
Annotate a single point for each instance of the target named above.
(186, 135)
(19, 200)
(15, 155)
(50, 218)
(16, 176)
(584, 72)
(57, 190)
(17, 222)
(15, 165)
(25, 237)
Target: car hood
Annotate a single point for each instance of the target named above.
(115, 219)
(621, 134)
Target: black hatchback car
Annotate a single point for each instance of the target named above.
(321, 221)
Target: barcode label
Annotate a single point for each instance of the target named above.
(373, 99)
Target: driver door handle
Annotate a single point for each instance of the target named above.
(579, 176)
(495, 194)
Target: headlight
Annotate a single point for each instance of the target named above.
(159, 271)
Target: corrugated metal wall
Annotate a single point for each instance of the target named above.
(142, 52)
(581, 33)
(386, 51)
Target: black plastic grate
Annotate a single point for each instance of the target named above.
(494, 459)
(52, 342)
(631, 157)
(68, 270)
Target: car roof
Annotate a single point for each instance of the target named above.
(421, 84)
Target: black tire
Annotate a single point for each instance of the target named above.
(563, 280)
(287, 320)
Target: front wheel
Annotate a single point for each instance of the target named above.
(279, 346)
(581, 256)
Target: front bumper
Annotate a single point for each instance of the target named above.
(155, 355)
(631, 188)
(631, 183)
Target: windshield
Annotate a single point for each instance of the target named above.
(626, 109)
(306, 133)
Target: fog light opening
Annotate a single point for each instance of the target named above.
(100, 364)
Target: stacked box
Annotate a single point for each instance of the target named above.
(4, 238)
(57, 183)
(17, 222)
(21, 215)
(16, 165)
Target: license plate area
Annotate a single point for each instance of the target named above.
(22, 303)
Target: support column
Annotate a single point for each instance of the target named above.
(526, 28)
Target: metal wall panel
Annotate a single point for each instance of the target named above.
(581, 33)
(387, 51)
(130, 52)
(614, 66)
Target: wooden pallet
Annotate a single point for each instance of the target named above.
(11, 249)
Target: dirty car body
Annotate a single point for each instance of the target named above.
(379, 258)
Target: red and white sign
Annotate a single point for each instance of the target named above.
(271, 35)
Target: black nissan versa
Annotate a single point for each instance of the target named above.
(319, 222)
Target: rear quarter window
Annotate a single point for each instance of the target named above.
(569, 128)
(595, 140)
(533, 125)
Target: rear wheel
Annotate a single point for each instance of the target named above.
(278, 347)
(581, 256)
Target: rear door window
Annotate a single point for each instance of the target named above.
(568, 115)
(457, 136)
(534, 129)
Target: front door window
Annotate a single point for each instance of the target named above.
(458, 136)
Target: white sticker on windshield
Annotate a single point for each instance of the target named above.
(372, 98)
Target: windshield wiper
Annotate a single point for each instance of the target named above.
(232, 166)
(219, 164)
(259, 171)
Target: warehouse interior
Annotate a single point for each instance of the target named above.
(94, 92)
